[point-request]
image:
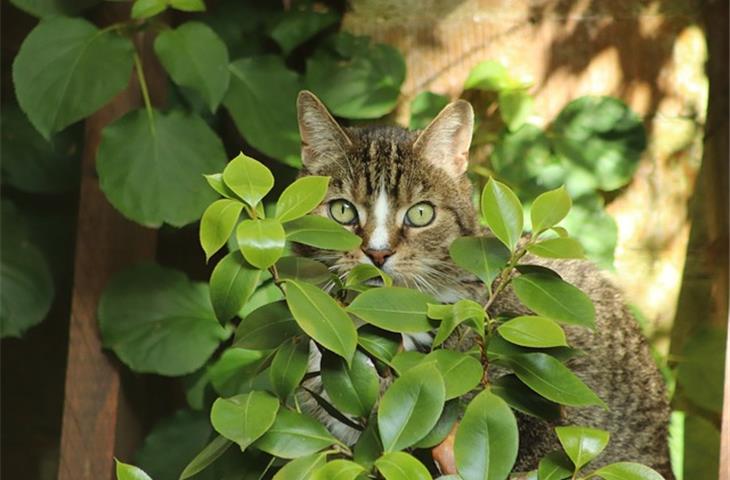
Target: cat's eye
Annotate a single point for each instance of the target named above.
(420, 215)
(343, 212)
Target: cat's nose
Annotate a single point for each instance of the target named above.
(378, 256)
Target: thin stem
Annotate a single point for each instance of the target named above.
(145, 92)
(271, 462)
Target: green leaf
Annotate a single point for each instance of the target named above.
(582, 444)
(701, 439)
(529, 331)
(352, 389)
(502, 211)
(627, 471)
(188, 5)
(301, 468)
(244, 418)
(555, 466)
(217, 447)
(261, 241)
(424, 108)
(158, 321)
(266, 327)
(461, 372)
(273, 128)
(499, 348)
(299, 25)
(483, 256)
(195, 57)
(215, 180)
(57, 76)
(520, 397)
(700, 374)
(152, 171)
(406, 360)
(515, 107)
(148, 8)
(356, 79)
(217, 224)
(289, 366)
(485, 447)
(401, 466)
(551, 379)
(362, 272)
(489, 75)
(322, 318)
(248, 178)
(451, 413)
(452, 316)
(562, 247)
(551, 297)
(238, 371)
(294, 435)
(549, 209)
(410, 408)
(380, 344)
(304, 269)
(267, 292)
(321, 232)
(231, 284)
(301, 197)
(338, 470)
(129, 472)
(395, 309)
(47, 8)
(368, 447)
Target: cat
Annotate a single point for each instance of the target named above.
(406, 194)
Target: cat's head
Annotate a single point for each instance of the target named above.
(404, 193)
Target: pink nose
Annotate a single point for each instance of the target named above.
(378, 256)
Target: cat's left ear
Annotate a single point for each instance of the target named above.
(445, 141)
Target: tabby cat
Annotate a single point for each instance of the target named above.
(407, 196)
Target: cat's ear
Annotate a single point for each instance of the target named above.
(322, 138)
(445, 141)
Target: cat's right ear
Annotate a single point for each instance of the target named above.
(322, 138)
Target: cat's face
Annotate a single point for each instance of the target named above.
(404, 193)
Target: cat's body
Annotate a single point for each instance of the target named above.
(406, 195)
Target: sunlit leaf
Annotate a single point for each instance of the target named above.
(301, 197)
(244, 418)
(294, 435)
(261, 241)
(502, 211)
(554, 298)
(395, 309)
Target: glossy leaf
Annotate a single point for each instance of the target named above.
(294, 435)
(515, 107)
(148, 8)
(461, 372)
(502, 211)
(549, 209)
(368, 447)
(353, 389)
(562, 247)
(338, 470)
(582, 444)
(195, 57)
(452, 316)
(301, 468)
(231, 284)
(248, 178)
(321, 232)
(304, 269)
(551, 379)
(627, 471)
(289, 366)
(261, 241)
(129, 472)
(188, 5)
(424, 108)
(215, 180)
(483, 256)
(157, 321)
(520, 397)
(451, 413)
(57, 76)
(151, 169)
(244, 418)
(217, 224)
(267, 292)
(486, 442)
(529, 331)
(322, 318)
(406, 360)
(410, 408)
(555, 466)
(266, 327)
(395, 309)
(301, 197)
(551, 297)
(363, 272)
(380, 344)
(217, 447)
(401, 466)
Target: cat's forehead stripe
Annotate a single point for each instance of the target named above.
(381, 212)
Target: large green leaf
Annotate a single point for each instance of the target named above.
(410, 408)
(213, 451)
(321, 232)
(561, 247)
(301, 468)
(261, 241)
(461, 372)
(452, 412)
(47, 8)
(322, 318)
(289, 366)
(239, 370)
(551, 379)
(627, 471)
(268, 122)
(57, 76)
(424, 108)
(549, 209)
(502, 211)
(551, 297)
(129, 472)
(356, 79)
(195, 57)
(401, 466)
(381, 344)
(338, 470)
(368, 447)
(555, 466)
(266, 327)
(486, 442)
(294, 435)
(304, 269)
(582, 444)
(244, 418)
(248, 178)
(231, 284)
(351, 389)
(395, 309)
(301, 197)
(483, 256)
(299, 25)
(520, 397)
(217, 224)
(158, 321)
(529, 331)
(151, 171)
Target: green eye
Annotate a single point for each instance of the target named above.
(343, 212)
(420, 215)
